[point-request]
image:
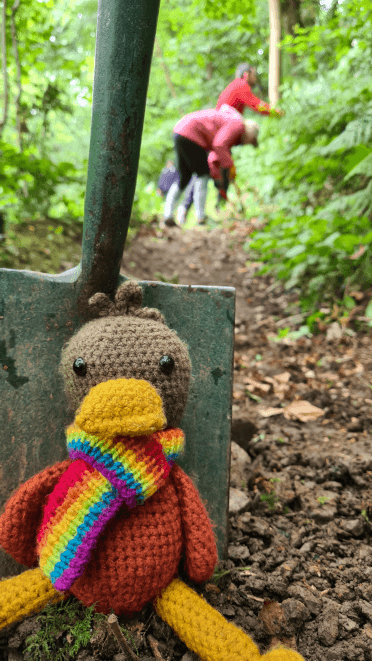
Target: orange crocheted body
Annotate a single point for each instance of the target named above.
(139, 552)
(137, 556)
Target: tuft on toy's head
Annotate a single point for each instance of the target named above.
(127, 341)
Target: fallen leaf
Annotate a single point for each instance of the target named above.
(368, 632)
(302, 410)
(257, 385)
(210, 587)
(280, 389)
(272, 617)
(267, 413)
(283, 378)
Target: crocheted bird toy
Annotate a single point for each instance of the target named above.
(112, 524)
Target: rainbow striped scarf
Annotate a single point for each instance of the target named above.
(104, 475)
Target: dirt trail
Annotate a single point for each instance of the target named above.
(302, 503)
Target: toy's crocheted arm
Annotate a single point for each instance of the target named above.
(22, 515)
(200, 546)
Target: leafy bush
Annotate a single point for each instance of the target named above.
(314, 167)
(316, 254)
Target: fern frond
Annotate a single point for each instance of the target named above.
(357, 132)
(358, 204)
(363, 167)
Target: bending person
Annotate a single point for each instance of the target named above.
(238, 93)
(202, 144)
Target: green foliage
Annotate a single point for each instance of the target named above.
(65, 628)
(322, 500)
(270, 498)
(315, 167)
(42, 154)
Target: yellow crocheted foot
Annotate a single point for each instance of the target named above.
(202, 628)
(24, 595)
(206, 632)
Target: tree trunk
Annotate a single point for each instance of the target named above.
(274, 52)
(291, 17)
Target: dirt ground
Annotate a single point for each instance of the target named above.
(299, 567)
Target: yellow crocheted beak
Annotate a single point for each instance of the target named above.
(121, 407)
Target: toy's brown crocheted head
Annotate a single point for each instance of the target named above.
(127, 341)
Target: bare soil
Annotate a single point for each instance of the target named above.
(299, 567)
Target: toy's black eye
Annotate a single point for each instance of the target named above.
(166, 364)
(80, 367)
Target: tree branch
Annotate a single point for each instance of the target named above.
(4, 67)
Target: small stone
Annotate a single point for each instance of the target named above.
(348, 625)
(297, 537)
(228, 611)
(324, 514)
(355, 527)
(312, 602)
(238, 552)
(307, 547)
(243, 521)
(364, 608)
(295, 613)
(240, 460)
(364, 554)
(335, 654)
(237, 501)
(332, 485)
(277, 585)
(334, 332)
(257, 585)
(364, 590)
(288, 567)
(260, 527)
(316, 461)
(328, 625)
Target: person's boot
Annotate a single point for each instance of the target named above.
(170, 222)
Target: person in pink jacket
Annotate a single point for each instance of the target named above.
(202, 143)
